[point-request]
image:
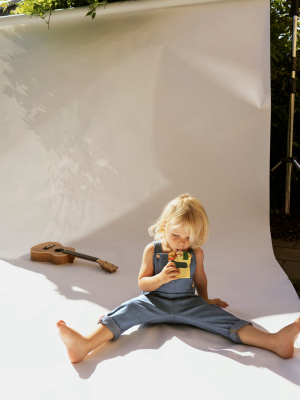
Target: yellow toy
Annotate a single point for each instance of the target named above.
(182, 260)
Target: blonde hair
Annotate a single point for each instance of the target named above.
(187, 211)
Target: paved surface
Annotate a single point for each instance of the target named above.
(288, 256)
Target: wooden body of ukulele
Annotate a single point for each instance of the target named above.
(57, 254)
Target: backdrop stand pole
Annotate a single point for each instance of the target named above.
(289, 160)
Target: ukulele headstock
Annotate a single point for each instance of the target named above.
(109, 267)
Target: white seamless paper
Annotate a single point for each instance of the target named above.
(102, 123)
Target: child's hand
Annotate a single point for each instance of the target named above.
(169, 273)
(218, 302)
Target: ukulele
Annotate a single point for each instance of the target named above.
(57, 254)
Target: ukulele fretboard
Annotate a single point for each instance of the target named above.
(79, 255)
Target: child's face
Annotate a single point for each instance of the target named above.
(178, 238)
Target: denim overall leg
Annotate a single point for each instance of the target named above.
(173, 303)
(210, 317)
(144, 309)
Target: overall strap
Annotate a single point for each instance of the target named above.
(157, 246)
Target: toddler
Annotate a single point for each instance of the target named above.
(171, 270)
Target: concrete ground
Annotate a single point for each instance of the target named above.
(288, 256)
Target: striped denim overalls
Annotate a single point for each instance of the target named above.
(174, 303)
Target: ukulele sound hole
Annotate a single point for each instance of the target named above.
(59, 250)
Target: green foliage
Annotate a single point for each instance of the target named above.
(41, 8)
(281, 48)
(93, 6)
(36, 7)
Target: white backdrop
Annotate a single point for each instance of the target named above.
(102, 123)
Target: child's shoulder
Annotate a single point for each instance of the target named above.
(150, 245)
(198, 252)
(149, 248)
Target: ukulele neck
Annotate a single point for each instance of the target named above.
(79, 255)
(104, 264)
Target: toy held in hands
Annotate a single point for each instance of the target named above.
(182, 260)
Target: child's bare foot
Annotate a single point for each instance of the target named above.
(285, 339)
(75, 343)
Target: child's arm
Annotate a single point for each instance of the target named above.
(199, 275)
(201, 280)
(147, 282)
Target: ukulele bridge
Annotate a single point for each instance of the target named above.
(49, 247)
